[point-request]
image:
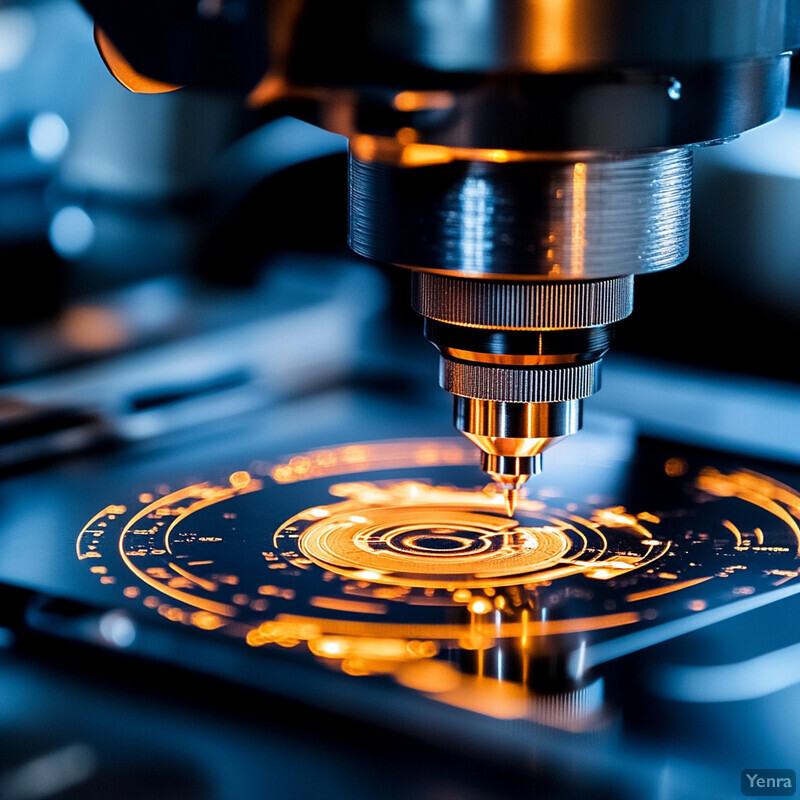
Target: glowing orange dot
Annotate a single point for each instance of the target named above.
(368, 575)
(480, 605)
(206, 621)
(330, 647)
(416, 101)
(406, 135)
(131, 591)
(283, 474)
(675, 467)
(240, 479)
(462, 595)
(697, 605)
(365, 147)
(408, 101)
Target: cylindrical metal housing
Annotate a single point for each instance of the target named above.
(571, 217)
(488, 418)
(509, 469)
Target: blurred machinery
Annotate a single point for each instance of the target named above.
(187, 306)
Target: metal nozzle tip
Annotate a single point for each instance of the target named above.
(511, 496)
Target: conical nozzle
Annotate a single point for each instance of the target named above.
(510, 496)
(512, 436)
(510, 473)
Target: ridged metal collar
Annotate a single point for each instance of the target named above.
(522, 305)
(510, 385)
(557, 219)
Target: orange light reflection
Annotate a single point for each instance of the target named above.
(351, 606)
(455, 632)
(578, 237)
(661, 590)
(377, 455)
(760, 490)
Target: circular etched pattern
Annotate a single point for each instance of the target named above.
(433, 545)
(400, 553)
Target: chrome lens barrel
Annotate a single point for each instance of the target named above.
(556, 219)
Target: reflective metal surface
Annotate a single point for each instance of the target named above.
(515, 385)
(379, 557)
(598, 218)
(224, 570)
(237, 564)
(577, 35)
(516, 420)
(533, 305)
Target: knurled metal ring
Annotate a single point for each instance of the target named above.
(520, 385)
(522, 305)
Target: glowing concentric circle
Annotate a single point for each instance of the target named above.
(377, 554)
(433, 546)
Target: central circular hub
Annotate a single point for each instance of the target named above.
(437, 542)
(433, 545)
